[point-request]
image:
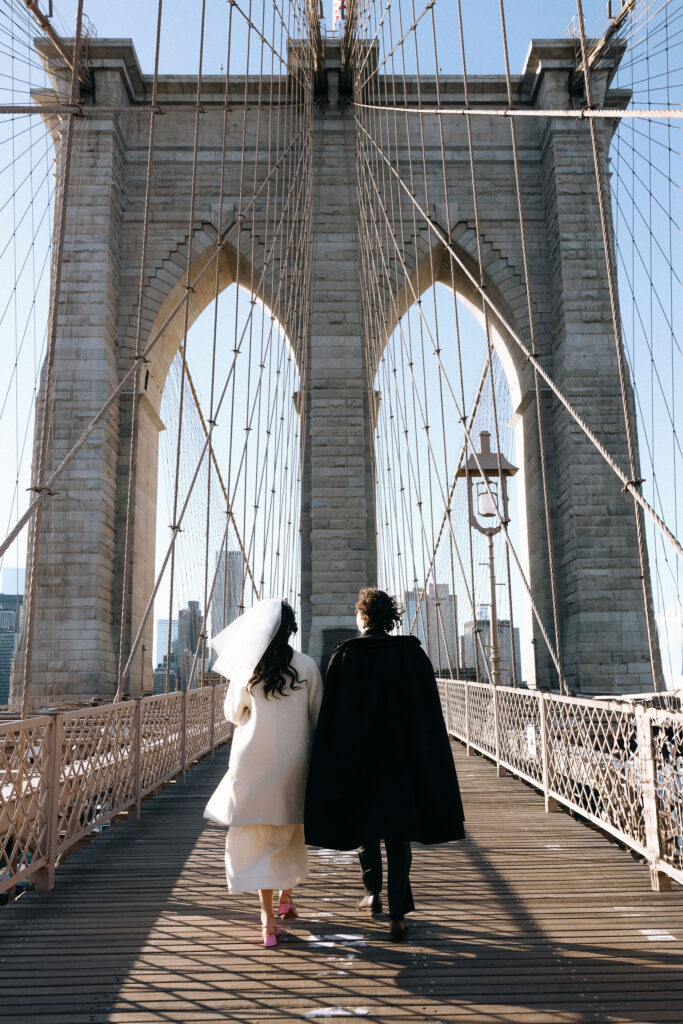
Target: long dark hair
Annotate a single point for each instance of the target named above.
(275, 669)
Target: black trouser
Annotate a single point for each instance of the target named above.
(399, 859)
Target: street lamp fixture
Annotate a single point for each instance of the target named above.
(492, 468)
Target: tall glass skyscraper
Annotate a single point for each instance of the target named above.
(227, 593)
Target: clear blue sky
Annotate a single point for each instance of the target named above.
(181, 21)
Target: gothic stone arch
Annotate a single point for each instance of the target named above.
(81, 567)
(603, 634)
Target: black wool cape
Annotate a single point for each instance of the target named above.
(381, 765)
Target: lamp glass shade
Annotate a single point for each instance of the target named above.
(485, 506)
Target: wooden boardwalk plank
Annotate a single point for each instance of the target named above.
(535, 919)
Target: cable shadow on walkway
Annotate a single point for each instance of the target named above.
(492, 955)
(69, 951)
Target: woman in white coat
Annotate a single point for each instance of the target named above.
(273, 700)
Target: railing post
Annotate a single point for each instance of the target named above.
(442, 687)
(213, 720)
(134, 810)
(648, 776)
(468, 748)
(550, 802)
(500, 771)
(183, 735)
(449, 686)
(45, 878)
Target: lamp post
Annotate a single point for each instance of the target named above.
(491, 467)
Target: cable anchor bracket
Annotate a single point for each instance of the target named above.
(43, 490)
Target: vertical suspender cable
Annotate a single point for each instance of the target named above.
(132, 457)
(635, 481)
(53, 329)
(183, 348)
(537, 389)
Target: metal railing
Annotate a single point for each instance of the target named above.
(617, 765)
(63, 775)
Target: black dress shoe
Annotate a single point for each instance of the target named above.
(372, 902)
(398, 929)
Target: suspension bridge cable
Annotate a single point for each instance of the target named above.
(550, 548)
(39, 486)
(116, 392)
(137, 357)
(636, 483)
(627, 482)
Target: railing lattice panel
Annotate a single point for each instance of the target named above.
(64, 775)
(616, 764)
(25, 770)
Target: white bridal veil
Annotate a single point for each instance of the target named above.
(242, 644)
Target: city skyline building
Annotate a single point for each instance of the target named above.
(435, 624)
(471, 657)
(161, 639)
(227, 592)
(8, 645)
(8, 620)
(11, 615)
(190, 625)
(160, 675)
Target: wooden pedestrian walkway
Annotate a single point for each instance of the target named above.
(536, 918)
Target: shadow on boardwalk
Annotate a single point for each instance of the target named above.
(534, 919)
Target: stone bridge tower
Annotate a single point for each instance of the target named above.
(603, 639)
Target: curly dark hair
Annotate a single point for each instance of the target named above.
(379, 611)
(274, 669)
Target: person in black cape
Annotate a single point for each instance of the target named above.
(381, 766)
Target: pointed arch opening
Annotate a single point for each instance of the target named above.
(236, 497)
(431, 370)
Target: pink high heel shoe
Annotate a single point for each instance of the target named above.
(269, 938)
(286, 910)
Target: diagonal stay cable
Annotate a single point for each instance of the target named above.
(551, 647)
(186, 317)
(461, 457)
(628, 485)
(41, 487)
(38, 501)
(132, 453)
(635, 482)
(401, 41)
(231, 515)
(413, 473)
(207, 443)
(550, 547)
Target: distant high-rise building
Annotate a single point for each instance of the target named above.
(471, 656)
(160, 675)
(161, 639)
(190, 623)
(434, 622)
(14, 604)
(8, 621)
(8, 645)
(11, 613)
(227, 592)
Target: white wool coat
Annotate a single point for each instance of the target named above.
(271, 746)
